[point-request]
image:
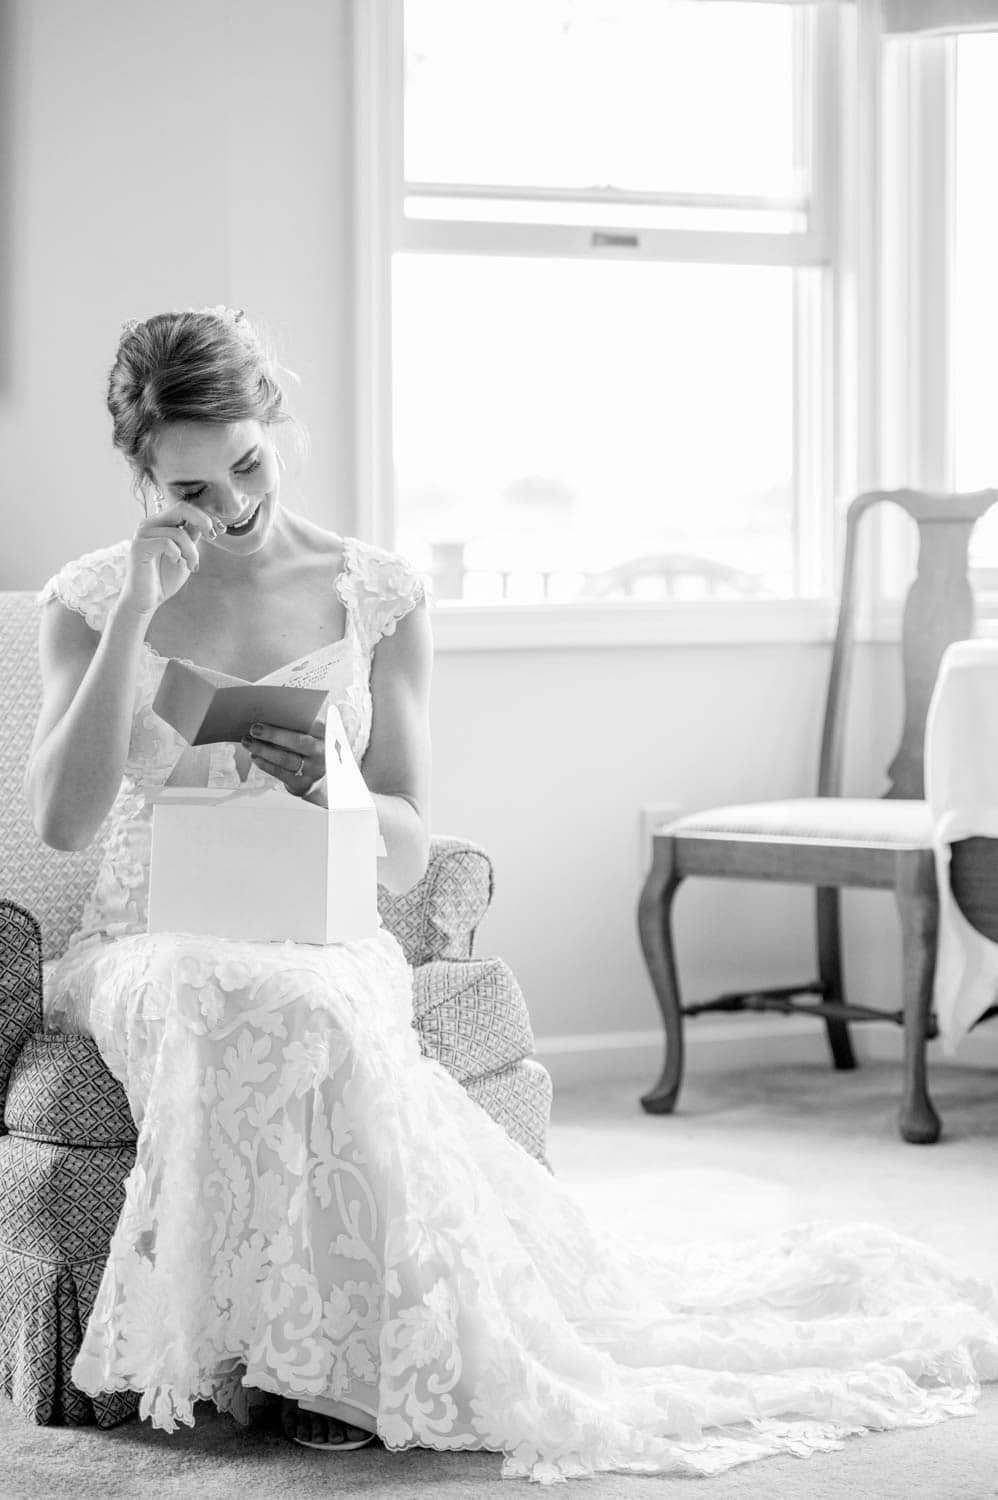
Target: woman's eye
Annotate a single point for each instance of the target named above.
(196, 494)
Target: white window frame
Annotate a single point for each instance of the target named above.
(872, 432)
(916, 257)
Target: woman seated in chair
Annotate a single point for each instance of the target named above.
(317, 1211)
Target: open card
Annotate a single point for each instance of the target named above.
(206, 713)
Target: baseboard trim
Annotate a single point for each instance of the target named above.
(718, 1043)
(886, 1044)
(713, 1043)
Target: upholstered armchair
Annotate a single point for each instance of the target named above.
(67, 1139)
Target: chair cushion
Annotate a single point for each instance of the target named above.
(61, 1091)
(58, 1208)
(519, 1099)
(20, 988)
(60, 1203)
(471, 1016)
(847, 820)
(438, 918)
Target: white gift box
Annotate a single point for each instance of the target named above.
(259, 864)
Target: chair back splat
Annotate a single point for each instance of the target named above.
(939, 609)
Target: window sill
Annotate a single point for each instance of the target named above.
(671, 623)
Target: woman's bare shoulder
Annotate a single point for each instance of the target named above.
(310, 540)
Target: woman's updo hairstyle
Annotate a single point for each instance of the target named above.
(208, 365)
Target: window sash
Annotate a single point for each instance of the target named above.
(824, 467)
(815, 36)
(939, 17)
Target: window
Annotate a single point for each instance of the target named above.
(609, 290)
(974, 342)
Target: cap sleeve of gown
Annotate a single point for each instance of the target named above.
(382, 586)
(89, 584)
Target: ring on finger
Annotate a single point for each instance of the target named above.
(301, 766)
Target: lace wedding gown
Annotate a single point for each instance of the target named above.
(318, 1210)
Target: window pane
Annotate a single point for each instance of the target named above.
(660, 95)
(975, 337)
(555, 420)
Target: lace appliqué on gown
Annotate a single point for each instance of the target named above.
(316, 1209)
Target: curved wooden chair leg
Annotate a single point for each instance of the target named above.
(919, 910)
(655, 931)
(830, 972)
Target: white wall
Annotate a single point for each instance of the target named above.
(185, 154)
(164, 156)
(572, 744)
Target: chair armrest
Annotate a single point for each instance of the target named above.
(20, 987)
(439, 917)
(470, 1015)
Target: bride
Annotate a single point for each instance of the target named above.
(316, 1210)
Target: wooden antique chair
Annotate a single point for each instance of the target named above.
(832, 841)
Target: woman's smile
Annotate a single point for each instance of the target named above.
(245, 524)
(250, 520)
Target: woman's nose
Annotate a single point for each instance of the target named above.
(226, 503)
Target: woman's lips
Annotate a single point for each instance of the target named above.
(240, 528)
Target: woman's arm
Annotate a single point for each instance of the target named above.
(396, 766)
(81, 740)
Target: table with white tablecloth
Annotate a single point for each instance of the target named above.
(961, 788)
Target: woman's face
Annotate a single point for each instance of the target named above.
(229, 470)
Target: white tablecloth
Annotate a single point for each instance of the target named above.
(961, 787)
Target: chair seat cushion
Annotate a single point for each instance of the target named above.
(471, 1016)
(61, 1091)
(519, 1099)
(20, 987)
(878, 821)
(60, 1203)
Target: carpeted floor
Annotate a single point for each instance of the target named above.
(746, 1154)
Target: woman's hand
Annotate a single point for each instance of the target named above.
(163, 555)
(299, 760)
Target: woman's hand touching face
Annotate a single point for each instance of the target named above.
(164, 554)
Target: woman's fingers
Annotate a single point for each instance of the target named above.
(279, 768)
(173, 544)
(183, 514)
(187, 547)
(276, 750)
(284, 767)
(173, 519)
(185, 526)
(276, 738)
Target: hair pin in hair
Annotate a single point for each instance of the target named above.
(227, 314)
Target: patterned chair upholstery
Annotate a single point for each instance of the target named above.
(67, 1139)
